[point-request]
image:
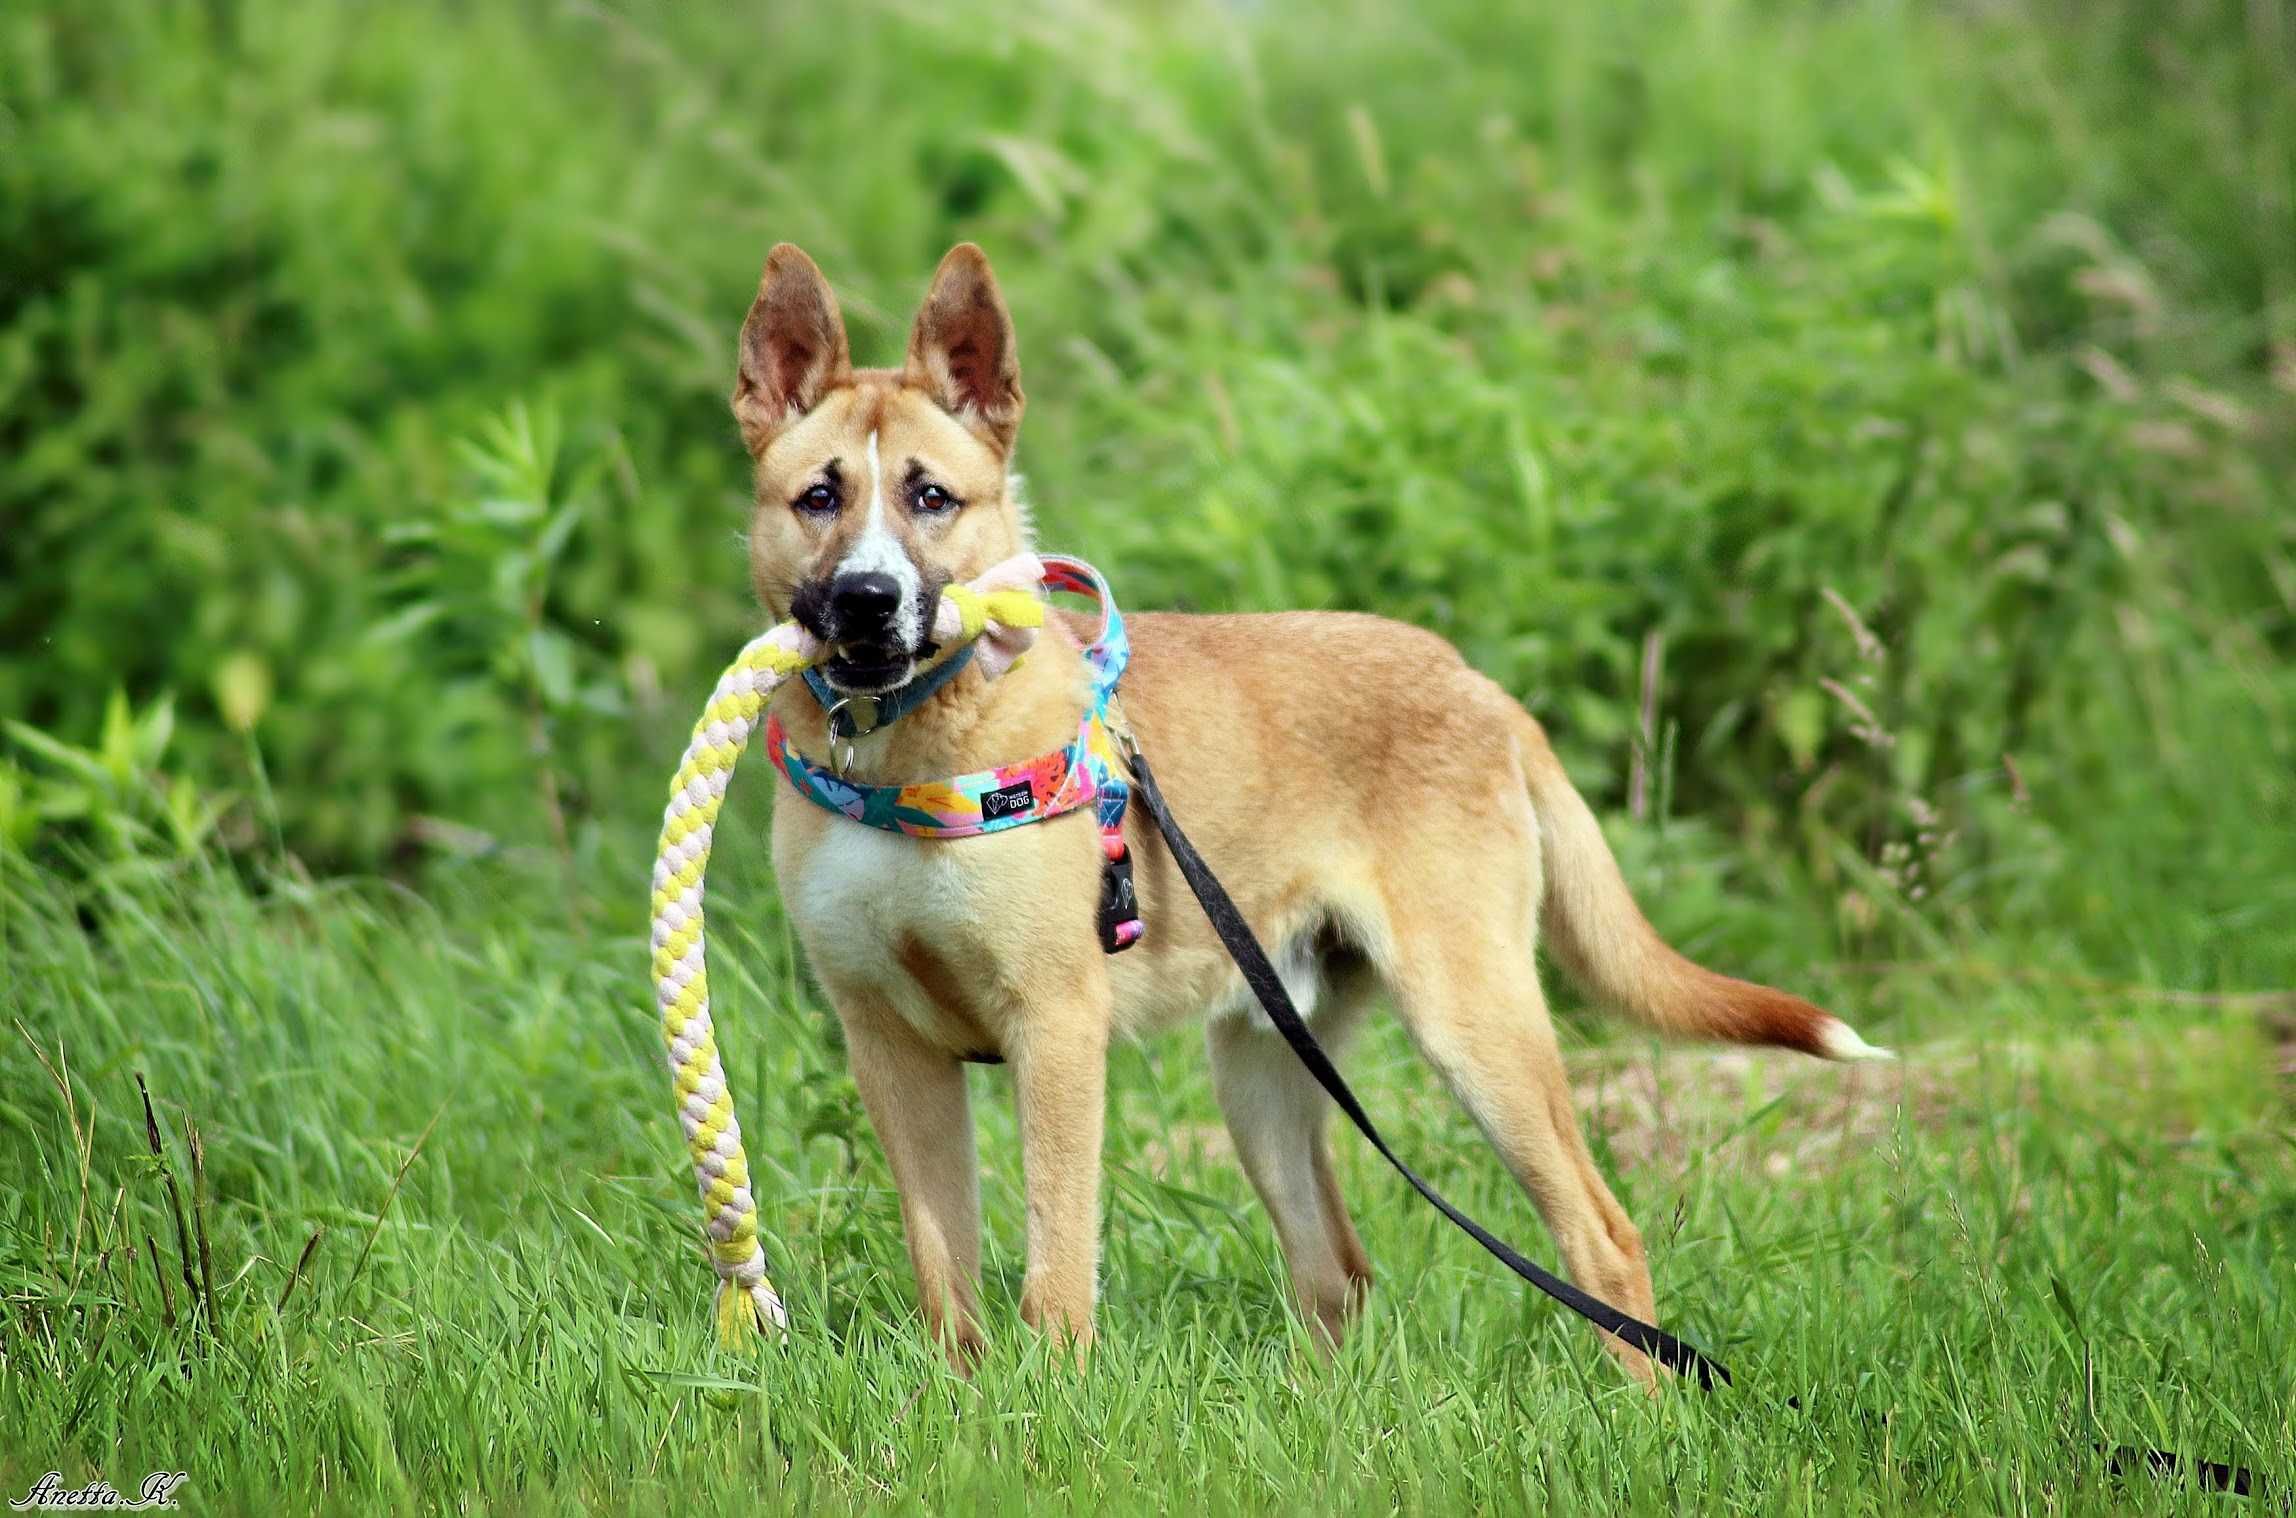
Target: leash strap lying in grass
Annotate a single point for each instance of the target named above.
(1268, 986)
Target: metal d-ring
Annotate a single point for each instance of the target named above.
(861, 714)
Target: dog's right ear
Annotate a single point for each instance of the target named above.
(793, 348)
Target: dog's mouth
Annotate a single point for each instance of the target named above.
(867, 660)
(868, 669)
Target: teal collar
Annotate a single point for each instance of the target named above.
(850, 715)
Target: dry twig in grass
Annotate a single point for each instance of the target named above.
(389, 1196)
(199, 1220)
(83, 1140)
(174, 1192)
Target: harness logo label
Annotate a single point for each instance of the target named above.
(1007, 801)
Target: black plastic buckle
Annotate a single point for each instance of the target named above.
(1119, 908)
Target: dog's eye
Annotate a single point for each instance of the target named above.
(817, 500)
(933, 500)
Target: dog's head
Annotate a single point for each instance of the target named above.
(877, 487)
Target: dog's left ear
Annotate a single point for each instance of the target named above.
(962, 352)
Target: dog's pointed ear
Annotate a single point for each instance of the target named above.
(793, 348)
(962, 352)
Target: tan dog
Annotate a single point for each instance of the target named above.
(1297, 748)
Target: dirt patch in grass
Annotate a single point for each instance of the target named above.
(1777, 1113)
(2280, 1031)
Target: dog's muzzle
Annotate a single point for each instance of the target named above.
(860, 615)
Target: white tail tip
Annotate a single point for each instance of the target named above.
(1840, 1041)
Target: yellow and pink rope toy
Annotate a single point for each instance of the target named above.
(1001, 611)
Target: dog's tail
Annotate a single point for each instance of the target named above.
(1612, 951)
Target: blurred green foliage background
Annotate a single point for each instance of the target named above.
(1863, 431)
(1877, 416)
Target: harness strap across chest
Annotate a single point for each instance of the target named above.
(1087, 771)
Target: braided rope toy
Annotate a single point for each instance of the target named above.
(1002, 612)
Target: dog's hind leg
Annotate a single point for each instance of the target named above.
(1465, 987)
(915, 1096)
(1276, 1115)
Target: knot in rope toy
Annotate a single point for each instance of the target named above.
(1001, 613)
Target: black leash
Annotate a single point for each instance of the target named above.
(1268, 986)
(1236, 935)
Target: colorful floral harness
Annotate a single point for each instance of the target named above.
(1088, 770)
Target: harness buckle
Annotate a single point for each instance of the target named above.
(1119, 914)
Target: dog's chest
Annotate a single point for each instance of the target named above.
(920, 922)
(860, 892)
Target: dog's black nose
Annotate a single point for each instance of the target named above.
(863, 603)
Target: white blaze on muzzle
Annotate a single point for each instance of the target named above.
(878, 551)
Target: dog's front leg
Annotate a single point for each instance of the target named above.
(1059, 1056)
(915, 1097)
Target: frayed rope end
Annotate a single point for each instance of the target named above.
(744, 1313)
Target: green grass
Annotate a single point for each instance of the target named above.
(1918, 381)
(1940, 1284)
